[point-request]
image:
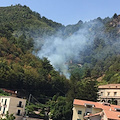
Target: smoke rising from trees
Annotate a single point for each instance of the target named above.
(60, 51)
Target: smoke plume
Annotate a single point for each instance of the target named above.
(60, 51)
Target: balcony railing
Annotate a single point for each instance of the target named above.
(86, 113)
(101, 97)
(4, 105)
(18, 114)
(20, 106)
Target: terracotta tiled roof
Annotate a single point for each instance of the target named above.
(108, 109)
(110, 86)
(102, 105)
(8, 91)
(112, 115)
(83, 102)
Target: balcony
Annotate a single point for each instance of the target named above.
(4, 105)
(20, 105)
(18, 114)
(105, 97)
(86, 113)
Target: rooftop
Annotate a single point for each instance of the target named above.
(112, 114)
(9, 91)
(111, 111)
(110, 86)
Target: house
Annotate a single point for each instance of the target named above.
(109, 93)
(10, 92)
(88, 110)
(13, 105)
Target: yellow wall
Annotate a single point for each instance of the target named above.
(96, 110)
(83, 109)
(75, 112)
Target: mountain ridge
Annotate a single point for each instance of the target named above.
(88, 51)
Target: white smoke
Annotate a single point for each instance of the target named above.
(60, 51)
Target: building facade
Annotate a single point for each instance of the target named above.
(109, 93)
(88, 110)
(83, 108)
(13, 105)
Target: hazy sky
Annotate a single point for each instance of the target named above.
(70, 11)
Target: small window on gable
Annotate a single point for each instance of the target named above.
(89, 105)
(106, 104)
(79, 112)
(117, 109)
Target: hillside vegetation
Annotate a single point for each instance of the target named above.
(21, 70)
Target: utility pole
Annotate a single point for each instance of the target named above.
(29, 99)
(28, 105)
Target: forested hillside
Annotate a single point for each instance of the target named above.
(22, 36)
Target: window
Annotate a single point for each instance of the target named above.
(117, 109)
(79, 112)
(115, 93)
(0, 108)
(115, 102)
(103, 101)
(106, 104)
(2, 100)
(89, 105)
(108, 94)
(78, 119)
(5, 101)
(18, 113)
(4, 110)
(109, 101)
(101, 93)
(20, 104)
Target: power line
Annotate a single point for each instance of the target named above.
(35, 98)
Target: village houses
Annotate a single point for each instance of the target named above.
(103, 109)
(88, 110)
(109, 93)
(12, 104)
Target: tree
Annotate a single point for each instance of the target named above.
(24, 43)
(60, 108)
(9, 116)
(85, 89)
(115, 16)
(46, 65)
(89, 90)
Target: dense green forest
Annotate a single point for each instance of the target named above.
(21, 70)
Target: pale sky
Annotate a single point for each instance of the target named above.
(69, 11)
